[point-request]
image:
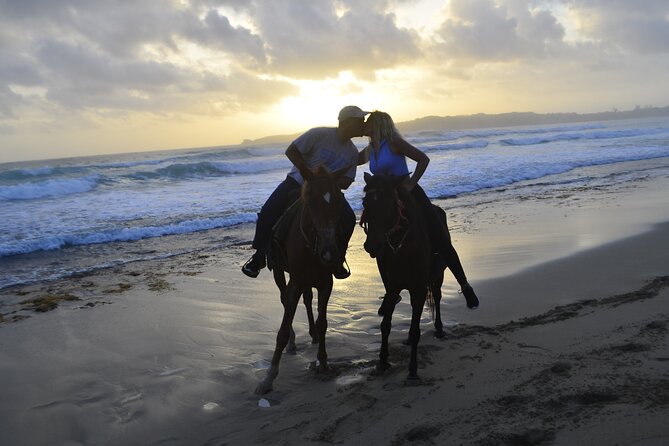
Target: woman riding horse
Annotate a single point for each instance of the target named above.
(386, 153)
(397, 237)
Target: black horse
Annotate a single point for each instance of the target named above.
(397, 236)
(311, 252)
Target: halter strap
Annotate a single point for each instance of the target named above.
(396, 227)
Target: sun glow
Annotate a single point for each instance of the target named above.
(319, 102)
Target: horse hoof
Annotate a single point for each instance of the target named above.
(291, 349)
(314, 339)
(323, 369)
(471, 297)
(263, 388)
(380, 369)
(440, 334)
(412, 380)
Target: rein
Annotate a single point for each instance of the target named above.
(396, 227)
(313, 246)
(305, 237)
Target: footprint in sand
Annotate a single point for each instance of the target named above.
(260, 365)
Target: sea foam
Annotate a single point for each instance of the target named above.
(120, 234)
(49, 188)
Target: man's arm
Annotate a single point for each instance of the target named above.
(296, 158)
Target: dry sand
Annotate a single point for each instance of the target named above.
(569, 346)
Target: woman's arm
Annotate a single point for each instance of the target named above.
(400, 145)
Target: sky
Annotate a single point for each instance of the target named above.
(81, 77)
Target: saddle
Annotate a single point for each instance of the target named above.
(276, 254)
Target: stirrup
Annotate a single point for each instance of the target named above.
(249, 270)
(341, 271)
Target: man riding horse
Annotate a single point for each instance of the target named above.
(328, 146)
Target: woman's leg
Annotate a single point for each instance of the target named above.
(441, 238)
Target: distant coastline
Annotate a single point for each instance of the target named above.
(483, 120)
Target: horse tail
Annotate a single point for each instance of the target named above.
(429, 300)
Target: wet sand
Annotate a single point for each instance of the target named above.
(569, 345)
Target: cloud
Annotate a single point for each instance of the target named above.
(491, 31)
(17, 68)
(315, 40)
(633, 27)
(8, 100)
(186, 58)
(125, 56)
(152, 55)
(217, 32)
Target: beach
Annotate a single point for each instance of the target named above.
(568, 347)
(147, 150)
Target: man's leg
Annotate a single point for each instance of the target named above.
(267, 217)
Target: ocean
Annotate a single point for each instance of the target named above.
(66, 216)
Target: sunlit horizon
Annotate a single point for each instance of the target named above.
(88, 79)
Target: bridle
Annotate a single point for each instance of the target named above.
(399, 223)
(311, 244)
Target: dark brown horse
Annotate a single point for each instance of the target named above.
(311, 254)
(397, 236)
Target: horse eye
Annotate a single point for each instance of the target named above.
(327, 197)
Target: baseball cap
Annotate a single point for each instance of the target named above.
(352, 111)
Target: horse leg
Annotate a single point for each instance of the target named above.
(417, 303)
(308, 296)
(436, 283)
(388, 305)
(291, 348)
(324, 292)
(291, 298)
(280, 280)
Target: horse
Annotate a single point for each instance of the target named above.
(311, 254)
(397, 236)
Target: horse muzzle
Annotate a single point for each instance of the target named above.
(328, 257)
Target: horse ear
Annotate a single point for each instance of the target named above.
(307, 173)
(368, 177)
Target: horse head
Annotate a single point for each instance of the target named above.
(382, 212)
(322, 199)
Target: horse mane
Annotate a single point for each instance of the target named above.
(321, 170)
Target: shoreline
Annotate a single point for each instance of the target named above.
(571, 350)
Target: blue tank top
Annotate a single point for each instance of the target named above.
(388, 163)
